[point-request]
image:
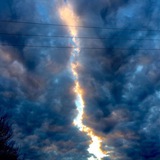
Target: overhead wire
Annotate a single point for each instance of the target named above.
(79, 37)
(89, 27)
(82, 48)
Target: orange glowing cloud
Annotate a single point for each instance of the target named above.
(71, 20)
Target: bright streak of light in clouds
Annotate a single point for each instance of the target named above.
(71, 20)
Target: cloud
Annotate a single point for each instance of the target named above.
(121, 86)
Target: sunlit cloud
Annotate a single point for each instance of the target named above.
(72, 20)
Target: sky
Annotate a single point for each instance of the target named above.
(117, 53)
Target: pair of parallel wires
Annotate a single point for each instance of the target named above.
(78, 37)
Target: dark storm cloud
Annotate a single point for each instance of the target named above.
(36, 86)
(122, 88)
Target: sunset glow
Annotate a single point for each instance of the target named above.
(71, 20)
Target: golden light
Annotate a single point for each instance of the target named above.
(71, 20)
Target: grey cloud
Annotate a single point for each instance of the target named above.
(121, 86)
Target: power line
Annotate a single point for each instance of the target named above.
(79, 37)
(83, 48)
(87, 27)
